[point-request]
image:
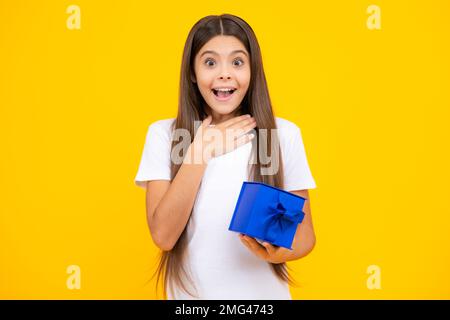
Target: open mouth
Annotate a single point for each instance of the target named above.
(223, 93)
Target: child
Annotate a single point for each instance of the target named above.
(193, 183)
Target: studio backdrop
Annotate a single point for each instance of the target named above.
(366, 81)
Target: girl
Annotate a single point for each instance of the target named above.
(190, 198)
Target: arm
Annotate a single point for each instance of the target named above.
(305, 238)
(303, 243)
(169, 204)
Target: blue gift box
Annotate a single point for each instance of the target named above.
(267, 213)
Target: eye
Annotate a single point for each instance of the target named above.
(209, 60)
(239, 60)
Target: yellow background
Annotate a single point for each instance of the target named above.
(373, 106)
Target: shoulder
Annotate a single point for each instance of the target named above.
(286, 129)
(285, 124)
(163, 125)
(160, 131)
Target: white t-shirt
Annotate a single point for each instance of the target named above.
(220, 266)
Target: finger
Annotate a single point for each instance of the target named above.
(243, 123)
(245, 242)
(249, 127)
(246, 138)
(234, 120)
(207, 121)
(257, 252)
(236, 133)
(270, 248)
(255, 245)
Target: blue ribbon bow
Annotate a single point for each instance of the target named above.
(280, 216)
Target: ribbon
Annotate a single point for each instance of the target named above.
(281, 214)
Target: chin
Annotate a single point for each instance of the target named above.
(224, 109)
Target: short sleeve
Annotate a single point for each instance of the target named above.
(155, 158)
(297, 174)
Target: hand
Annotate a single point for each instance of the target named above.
(213, 141)
(266, 251)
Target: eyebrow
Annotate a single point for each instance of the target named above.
(232, 52)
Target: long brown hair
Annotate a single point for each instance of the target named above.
(191, 108)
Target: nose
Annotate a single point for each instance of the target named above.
(224, 73)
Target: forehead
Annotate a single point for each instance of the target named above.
(222, 45)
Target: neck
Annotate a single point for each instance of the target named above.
(219, 118)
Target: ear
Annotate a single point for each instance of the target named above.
(193, 78)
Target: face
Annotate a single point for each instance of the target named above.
(222, 73)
